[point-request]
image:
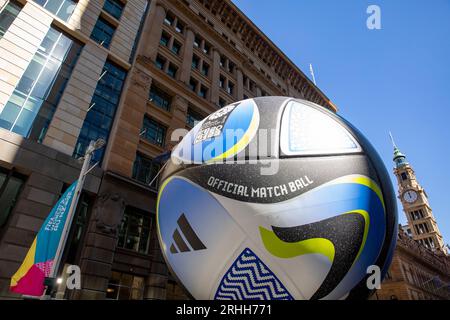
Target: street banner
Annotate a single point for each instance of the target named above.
(38, 263)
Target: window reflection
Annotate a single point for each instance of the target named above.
(35, 98)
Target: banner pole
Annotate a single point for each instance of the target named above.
(70, 215)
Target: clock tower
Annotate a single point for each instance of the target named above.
(415, 203)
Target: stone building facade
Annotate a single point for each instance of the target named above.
(416, 273)
(130, 72)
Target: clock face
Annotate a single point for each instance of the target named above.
(410, 196)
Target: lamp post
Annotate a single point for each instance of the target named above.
(50, 281)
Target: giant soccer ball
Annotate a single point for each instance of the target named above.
(276, 198)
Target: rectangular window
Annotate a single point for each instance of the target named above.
(172, 70)
(230, 88)
(145, 170)
(103, 32)
(222, 103)
(193, 117)
(8, 14)
(160, 98)
(404, 176)
(35, 98)
(114, 8)
(195, 62)
(222, 81)
(160, 62)
(10, 186)
(206, 48)
(193, 84)
(124, 286)
(165, 38)
(205, 69)
(153, 131)
(134, 232)
(169, 19)
(203, 92)
(180, 27)
(103, 106)
(197, 42)
(63, 9)
(176, 47)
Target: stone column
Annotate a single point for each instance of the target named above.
(98, 253)
(188, 51)
(125, 138)
(156, 282)
(215, 75)
(239, 94)
(178, 121)
(153, 32)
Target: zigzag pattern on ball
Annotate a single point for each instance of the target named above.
(250, 279)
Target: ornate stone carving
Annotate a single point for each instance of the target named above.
(108, 213)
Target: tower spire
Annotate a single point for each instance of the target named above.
(399, 157)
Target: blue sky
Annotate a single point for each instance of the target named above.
(394, 79)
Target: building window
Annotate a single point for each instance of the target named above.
(160, 62)
(169, 19)
(193, 84)
(160, 98)
(404, 176)
(203, 92)
(134, 231)
(197, 42)
(180, 27)
(172, 70)
(8, 14)
(222, 103)
(222, 81)
(153, 131)
(165, 38)
(145, 170)
(176, 47)
(222, 61)
(35, 98)
(103, 106)
(10, 186)
(193, 117)
(205, 69)
(103, 32)
(230, 88)
(63, 9)
(195, 62)
(231, 67)
(206, 48)
(114, 8)
(124, 286)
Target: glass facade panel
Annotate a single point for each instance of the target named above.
(8, 13)
(63, 9)
(124, 286)
(103, 32)
(114, 8)
(33, 103)
(104, 103)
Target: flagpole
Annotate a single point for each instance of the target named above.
(94, 145)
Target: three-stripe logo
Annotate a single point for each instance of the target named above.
(186, 233)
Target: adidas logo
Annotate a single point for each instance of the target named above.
(186, 233)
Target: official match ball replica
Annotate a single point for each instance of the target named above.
(276, 198)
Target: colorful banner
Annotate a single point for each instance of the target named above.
(29, 279)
